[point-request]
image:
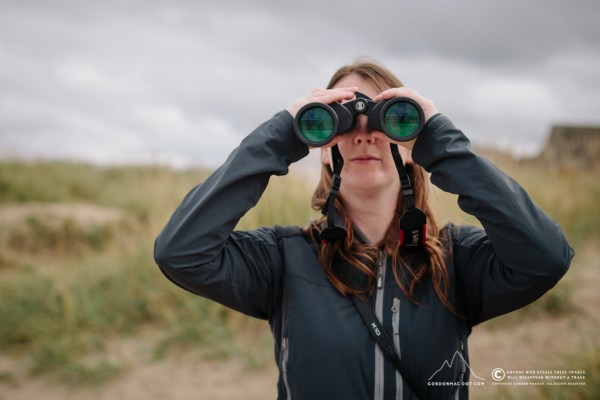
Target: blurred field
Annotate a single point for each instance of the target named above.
(85, 313)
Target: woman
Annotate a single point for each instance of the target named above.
(426, 298)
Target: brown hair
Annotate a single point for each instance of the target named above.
(409, 271)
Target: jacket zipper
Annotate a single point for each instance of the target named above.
(379, 358)
(396, 331)
(284, 361)
(396, 323)
(380, 277)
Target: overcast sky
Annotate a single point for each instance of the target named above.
(181, 82)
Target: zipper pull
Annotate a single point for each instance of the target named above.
(395, 316)
(380, 270)
(396, 305)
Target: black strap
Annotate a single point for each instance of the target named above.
(387, 346)
(413, 222)
(334, 230)
(405, 185)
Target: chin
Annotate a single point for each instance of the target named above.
(370, 182)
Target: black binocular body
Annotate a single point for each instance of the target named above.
(400, 118)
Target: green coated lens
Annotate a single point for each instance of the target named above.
(316, 125)
(401, 119)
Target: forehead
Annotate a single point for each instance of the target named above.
(356, 80)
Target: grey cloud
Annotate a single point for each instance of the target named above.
(183, 81)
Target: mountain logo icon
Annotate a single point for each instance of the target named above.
(457, 357)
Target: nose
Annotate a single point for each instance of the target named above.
(361, 132)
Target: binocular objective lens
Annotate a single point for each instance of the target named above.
(401, 119)
(316, 125)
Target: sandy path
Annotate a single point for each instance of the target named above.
(180, 376)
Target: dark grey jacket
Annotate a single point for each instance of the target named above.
(323, 349)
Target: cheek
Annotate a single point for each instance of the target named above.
(326, 156)
(345, 147)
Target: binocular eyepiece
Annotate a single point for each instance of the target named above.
(400, 118)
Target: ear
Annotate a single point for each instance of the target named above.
(326, 156)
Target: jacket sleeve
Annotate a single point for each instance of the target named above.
(198, 248)
(519, 255)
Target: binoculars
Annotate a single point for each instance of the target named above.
(400, 118)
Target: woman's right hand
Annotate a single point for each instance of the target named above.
(326, 96)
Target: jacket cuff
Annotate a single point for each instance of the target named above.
(275, 140)
(438, 139)
(297, 149)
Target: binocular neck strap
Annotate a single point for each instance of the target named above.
(405, 185)
(333, 232)
(413, 222)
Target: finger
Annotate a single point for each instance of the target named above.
(326, 96)
(428, 106)
(337, 90)
(395, 92)
(320, 91)
(333, 96)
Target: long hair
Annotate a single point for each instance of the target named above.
(410, 267)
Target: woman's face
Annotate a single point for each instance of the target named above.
(368, 163)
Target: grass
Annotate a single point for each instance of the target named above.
(67, 288)
(589, 360)
(65, 236)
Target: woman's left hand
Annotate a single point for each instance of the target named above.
(427, 105)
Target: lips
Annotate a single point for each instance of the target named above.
(365, 158)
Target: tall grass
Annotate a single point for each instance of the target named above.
(67, 289)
